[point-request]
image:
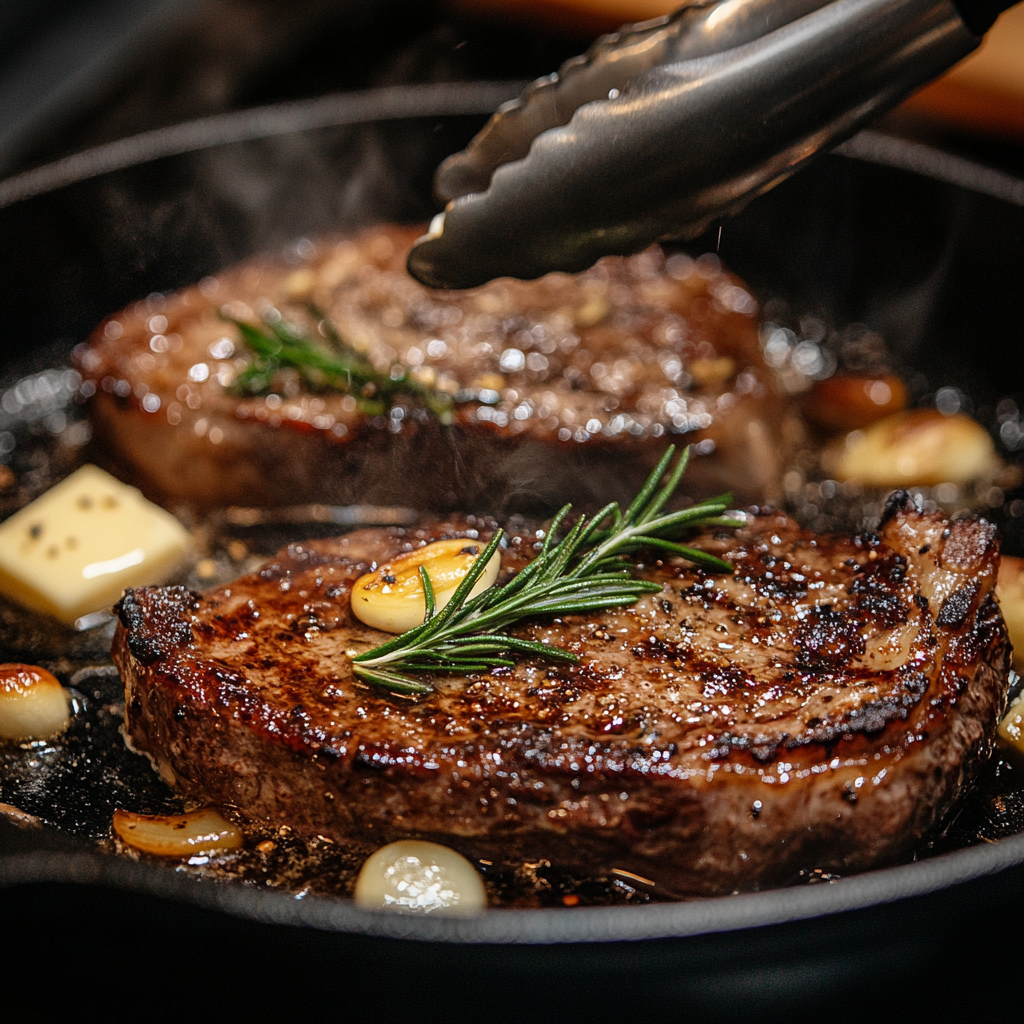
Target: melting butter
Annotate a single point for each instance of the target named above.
(75, 549)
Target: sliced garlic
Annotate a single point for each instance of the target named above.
(392, 597)
(33, 705)
(177, 835)
(1010, 592)
(917, 449)
(417, 877)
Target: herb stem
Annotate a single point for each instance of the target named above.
(585, 571)
(279, 345)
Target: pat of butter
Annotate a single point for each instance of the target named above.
(76, 548)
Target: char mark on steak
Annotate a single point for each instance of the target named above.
(566, 388)
(817, 709)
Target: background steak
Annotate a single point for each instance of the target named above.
(820, 710)
(567, 385)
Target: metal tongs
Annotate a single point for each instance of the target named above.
(667, 126)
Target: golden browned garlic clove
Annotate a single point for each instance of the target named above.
(1010, 592)
(416, 877)
(919, 448)
(178, 835)
(33, 705)
(392, 597)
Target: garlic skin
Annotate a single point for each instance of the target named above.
(33, 704)
(178, 835)
(920, 448)
(417, 877)
(392, 599)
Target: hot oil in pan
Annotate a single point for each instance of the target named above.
(75, 783)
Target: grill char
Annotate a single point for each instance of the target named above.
(571, 385)
(814, 711)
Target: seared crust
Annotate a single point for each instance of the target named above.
(566, 386)
(821, 709)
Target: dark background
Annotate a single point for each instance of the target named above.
(77, 73)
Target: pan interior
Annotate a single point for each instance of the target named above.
(928, 262)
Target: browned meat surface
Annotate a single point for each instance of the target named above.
(567, 386)
(820, 709)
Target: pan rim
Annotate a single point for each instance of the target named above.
(547, 926)
(444, 99)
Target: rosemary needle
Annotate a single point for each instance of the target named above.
(583, 572)
(336, 366)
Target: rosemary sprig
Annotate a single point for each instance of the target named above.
(335, 366)
(585, 571)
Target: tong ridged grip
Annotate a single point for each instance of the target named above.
(691, 141)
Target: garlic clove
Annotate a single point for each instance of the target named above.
(850, 401)
(920, 448)
(178, 835)
(417, 877)
(33, 704)
(392, 598)
(1010, 593)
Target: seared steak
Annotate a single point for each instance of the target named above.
(565, 387)
(820, 709)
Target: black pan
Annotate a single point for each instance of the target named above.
(926, 249)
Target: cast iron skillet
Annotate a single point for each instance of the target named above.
(926, 249)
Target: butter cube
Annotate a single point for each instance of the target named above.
(75, 549)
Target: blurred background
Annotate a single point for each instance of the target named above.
(77, 73)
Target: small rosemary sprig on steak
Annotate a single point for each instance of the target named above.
(331, 365)
(585, 571)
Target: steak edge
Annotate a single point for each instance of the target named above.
(821, 709)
